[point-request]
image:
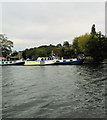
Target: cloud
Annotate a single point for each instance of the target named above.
(50, 23)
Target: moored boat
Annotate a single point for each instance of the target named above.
(40, 62)
(69, 62)
(4, 62)
(73, 61)
(53, 61)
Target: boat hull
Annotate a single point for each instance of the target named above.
(15, 63)
(38, 63)
(76, 62)
(50, 62)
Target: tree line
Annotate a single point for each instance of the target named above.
(59, 50)
(92, 44)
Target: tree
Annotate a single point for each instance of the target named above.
(66, 44)
(82, 42)
(104, 41)
(75, 44)
(14, 53)
(5, 45)
(59, 45)
(93, 31)
(94, 49)
(57, 52)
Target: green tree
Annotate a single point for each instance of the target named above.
(57, 52)
(82, 42)
(14, 53)
(94, 48)
(97, 48)
(5, 45)
(75, 44)
(66, 44)
(104, 52)
(59, 45)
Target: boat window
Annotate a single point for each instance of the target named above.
(70, 60)
(64, 60)
(57, 61)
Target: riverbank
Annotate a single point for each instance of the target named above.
(89, 60)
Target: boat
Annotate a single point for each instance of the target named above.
(73, 61)
(41, 61)
(69, 62)
(4, 62)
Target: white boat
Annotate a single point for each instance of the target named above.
(40, 61)
(4, 61)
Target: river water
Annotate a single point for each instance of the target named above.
(71, 91)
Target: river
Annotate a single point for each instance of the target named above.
(70, 91)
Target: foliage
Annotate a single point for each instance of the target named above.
(75, 43)
(34, 53)
(14, 53)
(66, 44)
(45, 51)
(82, 42)
(5, 45)
(93, 44)
(58, 45)
(93, 48)
(93, 31)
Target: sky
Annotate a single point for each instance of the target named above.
(32, 24)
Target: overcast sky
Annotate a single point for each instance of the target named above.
(43, 23)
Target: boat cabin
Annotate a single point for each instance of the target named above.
(2, 60)
(46, 58)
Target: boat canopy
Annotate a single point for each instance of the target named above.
(2, 58)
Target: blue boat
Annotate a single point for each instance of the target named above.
(69, 62)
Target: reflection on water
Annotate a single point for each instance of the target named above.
(54, 91)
